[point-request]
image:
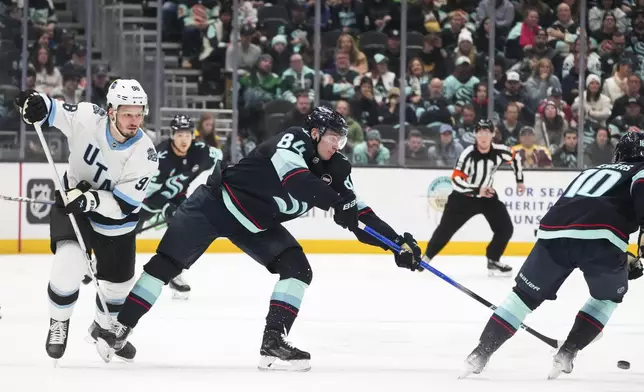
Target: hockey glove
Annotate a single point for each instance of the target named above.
(169, 210)
(410, 256)
(635, 268)
(345, 212)
(32, 106)
(80, 199)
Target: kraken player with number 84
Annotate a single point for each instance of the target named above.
(588, 228)
(281, 179)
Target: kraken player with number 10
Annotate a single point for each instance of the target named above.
(281, 179)
(588, 228)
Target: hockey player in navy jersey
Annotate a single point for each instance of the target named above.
(111, 163)
(283, 178)
(181, 161)
(587, 228)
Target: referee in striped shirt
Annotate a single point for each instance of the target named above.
(473, 194)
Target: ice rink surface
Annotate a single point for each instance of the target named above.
(368, 325)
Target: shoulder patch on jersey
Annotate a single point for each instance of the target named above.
(99, 111)
(326, 177)
(152, 155)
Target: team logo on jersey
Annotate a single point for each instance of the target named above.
(152, 155)
(316, 159)
(99, 110)
(437, 194)
(297, 208)
(327, 178)
(39, 189)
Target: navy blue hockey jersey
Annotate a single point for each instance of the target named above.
(605, 202)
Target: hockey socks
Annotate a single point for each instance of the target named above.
(144, 294)
(285, 304)
(503, 324)
(61, 302)
(589, 323)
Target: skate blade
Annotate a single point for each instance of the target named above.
(180, 296)
(557, 370)
(268, 364)
(55, 363)
(104, 350)
(89, 339)
(499, 274)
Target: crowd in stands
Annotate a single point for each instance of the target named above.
(536, 72)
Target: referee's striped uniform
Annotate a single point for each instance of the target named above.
(475, 170)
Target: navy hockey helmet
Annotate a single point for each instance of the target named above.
(182, 123)
(484, 123)
(325, 119)
(630, 148)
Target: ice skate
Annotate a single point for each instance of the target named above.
(108, 343)
(562, 362)
(496, 268)
(180, 289)
(475, 363)
(57, 338)
(278, 354)
(127, 353)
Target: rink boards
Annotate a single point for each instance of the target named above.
(409, 200)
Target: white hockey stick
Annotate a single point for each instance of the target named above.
(72, 219)
(26, 200)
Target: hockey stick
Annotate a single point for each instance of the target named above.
(72, 219)
(26, 200)
(152, 226)
(549, 341)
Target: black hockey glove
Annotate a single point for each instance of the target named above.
(345, 212)
(169, 210)
(635, 268)
(32, 106)
(81, 199)
(410, 256)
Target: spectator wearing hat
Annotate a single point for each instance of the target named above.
(382, 79)
(460, 84)
(371, 151)
(550, 127)
(532, 155)
(465, 47)
(445, 153)
(392, 53)
(542, 79)
(280, 53)
(452, 30)
(565, 156)
(631, 118)
(596, 105)
(248, 52)
(100, 85)
(617, 85)
(601, 149)
(555, 95)
(513, 92)
(633, 90)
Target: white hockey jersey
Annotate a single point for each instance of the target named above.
(120, 172)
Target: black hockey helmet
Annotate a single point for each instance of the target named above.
(182, 123)
(484, 123)
(323, 119)
(630, 148)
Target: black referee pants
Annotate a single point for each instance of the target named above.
(459, 209)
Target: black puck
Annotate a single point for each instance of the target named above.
(623, 365)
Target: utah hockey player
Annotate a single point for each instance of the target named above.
(181, 161)
(588, 228)
(111, 163)
(283, 178)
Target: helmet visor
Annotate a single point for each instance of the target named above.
(335, 139)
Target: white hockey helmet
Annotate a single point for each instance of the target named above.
(127, 92)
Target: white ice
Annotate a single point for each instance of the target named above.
(369, 326)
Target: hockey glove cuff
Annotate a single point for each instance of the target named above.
(635, 268)
(345, 212)
(410, 256)
(81, 199)
(32, 106)
(169, 210)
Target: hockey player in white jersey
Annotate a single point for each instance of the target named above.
(111, 163)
